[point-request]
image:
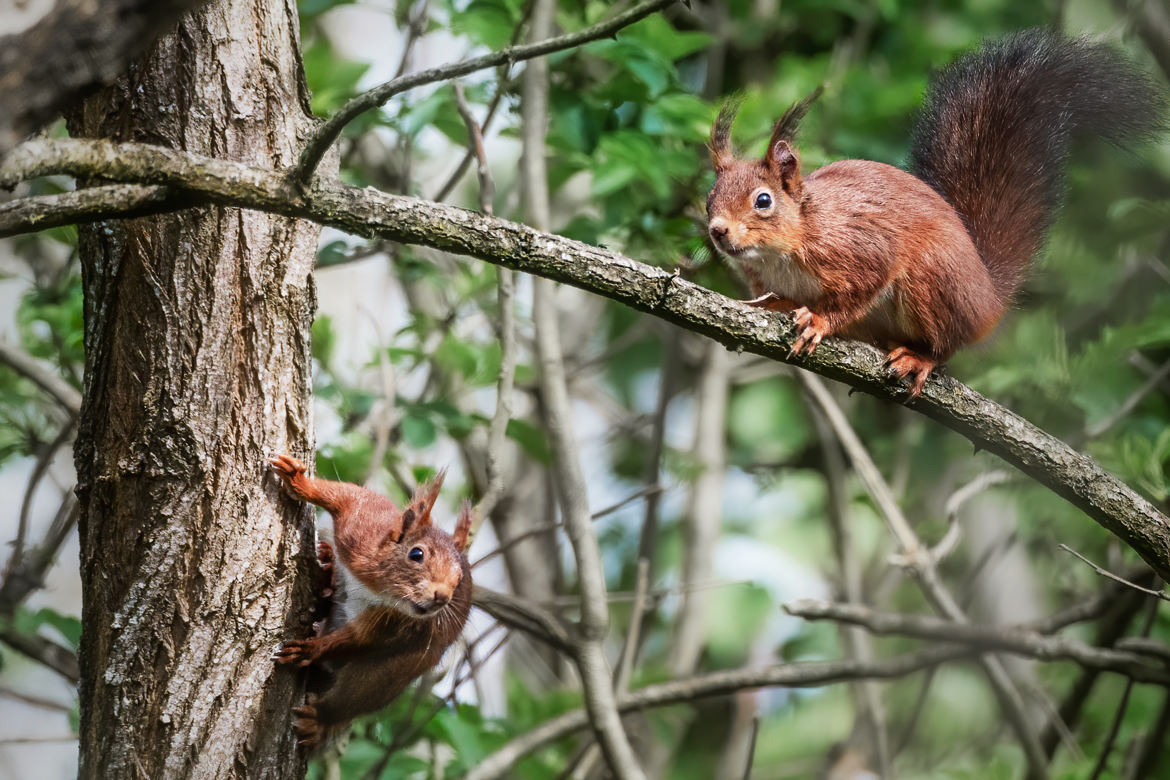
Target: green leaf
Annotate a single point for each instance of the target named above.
(456, 356)
(25, 621)
(333, 253)
(331, 79)
(531, 439)
(419, 431)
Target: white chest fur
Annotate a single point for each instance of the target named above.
(358, 597)
(779, 274)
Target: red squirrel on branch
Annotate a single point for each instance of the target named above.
(922, 263)
(407, 594)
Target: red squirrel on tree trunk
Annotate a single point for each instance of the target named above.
(922, 263)
(407, 594)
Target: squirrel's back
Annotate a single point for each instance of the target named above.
(995, 129)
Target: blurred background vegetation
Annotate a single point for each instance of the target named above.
(407, 354)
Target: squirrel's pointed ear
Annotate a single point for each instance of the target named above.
(783, 161)
(720, 144)
(418, 510)
(463, 527)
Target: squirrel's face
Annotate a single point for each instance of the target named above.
(426, 569)
(750, 207)
(755, 206)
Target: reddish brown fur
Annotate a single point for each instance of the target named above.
(423, 606)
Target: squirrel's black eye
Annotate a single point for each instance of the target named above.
(763, 201)
(415, 554)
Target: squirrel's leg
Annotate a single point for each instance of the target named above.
(324, 493)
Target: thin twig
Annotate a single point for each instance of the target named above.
(35, 701)
(955, 502)
(1101, 427)
(621, 674)
(751, 751)
(856, 642)
(501, 74)
(523, 615)
(1161, 594)
(44, 460)
(504, 546)
(328, 132)
(704, 509)
(1016, 640)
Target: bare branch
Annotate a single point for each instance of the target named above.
(717, 684)
(857, 644)
(43, 377)
(60, 659)
(44, 460)
(704, 508)
(1119, 716)
(329, 132)
(1129, 404)
(366, 212)
(523, 615)
(505, 297)
(1013, 639)
(86, 205)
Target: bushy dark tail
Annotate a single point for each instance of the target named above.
(995, 129)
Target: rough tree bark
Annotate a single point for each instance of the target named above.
(197, 362)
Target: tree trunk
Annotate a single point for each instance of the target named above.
(197, 363)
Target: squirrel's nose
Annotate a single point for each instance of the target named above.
(439, 597)
(718, 230)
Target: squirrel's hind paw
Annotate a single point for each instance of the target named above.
(902, 363)
(310, 732)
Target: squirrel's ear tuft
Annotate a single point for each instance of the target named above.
(781, 157)
(720, 144)
(463, 527)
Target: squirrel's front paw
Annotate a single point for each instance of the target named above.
(301, 652)
(811, 329)
(286, 466)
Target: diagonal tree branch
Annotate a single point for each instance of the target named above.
(366, 212)
(66, 396)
